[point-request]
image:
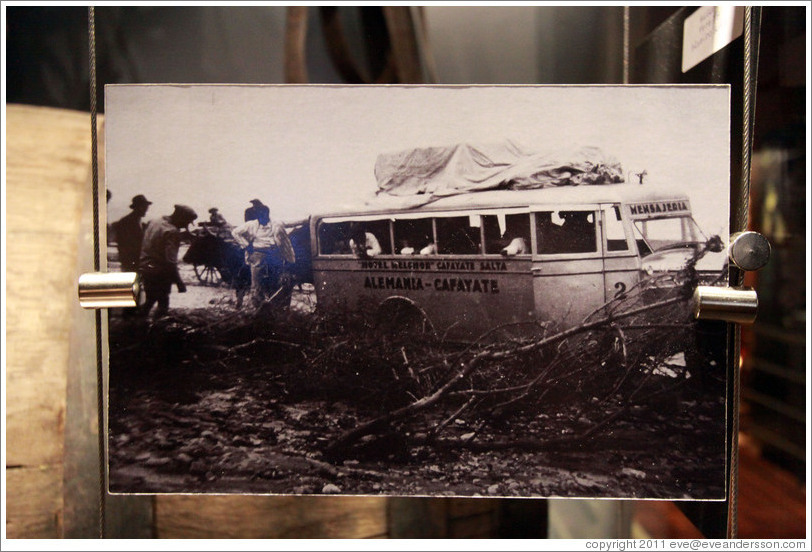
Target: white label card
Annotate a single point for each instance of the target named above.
(708, 30)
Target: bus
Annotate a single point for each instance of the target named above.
(476, 261)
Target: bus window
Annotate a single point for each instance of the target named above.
(506, 234)
(412, 235)
(370, 238)
(615, 234)
(334, 238)
(560, 232)
(459, 235)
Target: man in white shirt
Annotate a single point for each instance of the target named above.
(517, 246)
(260, 238)
(430, 249)
(364, 244)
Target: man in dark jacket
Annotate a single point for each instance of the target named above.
(159, 258)
(130, 233)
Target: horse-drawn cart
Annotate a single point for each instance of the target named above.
(215, 256)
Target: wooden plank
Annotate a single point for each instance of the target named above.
(463, 507)
(201, 516)
(33, 509)
(47, 162)
(48, 159)
(125, 516)
(129, 517)
(589, 519)
(37, 343)
(418, 518)
(481, 526)
(48, 155)
(659, 519)
(81, 460)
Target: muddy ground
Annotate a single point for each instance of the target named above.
(190, 421)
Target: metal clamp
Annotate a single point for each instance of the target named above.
(738, 305)
(105, 290)
(747, 251)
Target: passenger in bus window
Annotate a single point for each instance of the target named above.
(363, 244)
(517, 235)
(412, 235)
(406, 248)
(517, 246)
(430, 249)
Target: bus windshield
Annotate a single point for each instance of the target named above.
(654, 235)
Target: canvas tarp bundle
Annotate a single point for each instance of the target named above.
(463, 168)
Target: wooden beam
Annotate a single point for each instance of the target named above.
(52, 461)
(48, 156)
(33, 509)
(126, 516)
(265, 517)
(418, 518)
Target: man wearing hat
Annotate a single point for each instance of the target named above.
(251, 212)
(130, 233)
(262, 240)
(215, 218)
(159, 258)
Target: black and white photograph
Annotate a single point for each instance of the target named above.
(418, 290)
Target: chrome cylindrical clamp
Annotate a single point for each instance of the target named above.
(104, 290)
(749, 250)
(739, 305)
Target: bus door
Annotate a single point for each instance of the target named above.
(621, 263)
(567, 266)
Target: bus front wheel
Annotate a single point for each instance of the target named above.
(401, 317)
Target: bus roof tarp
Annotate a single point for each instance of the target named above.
(463, 168)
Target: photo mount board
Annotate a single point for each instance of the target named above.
(321, 396)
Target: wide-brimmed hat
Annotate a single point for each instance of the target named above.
(256, 202)
(184, 213)
(213, 210)
(262, 210)
(139, 201)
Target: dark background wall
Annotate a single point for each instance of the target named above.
(47, 60)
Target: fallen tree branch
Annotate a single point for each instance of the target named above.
(532, 445)
(442, 425)
(261, 341)
(337, 472)
(487, 354)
